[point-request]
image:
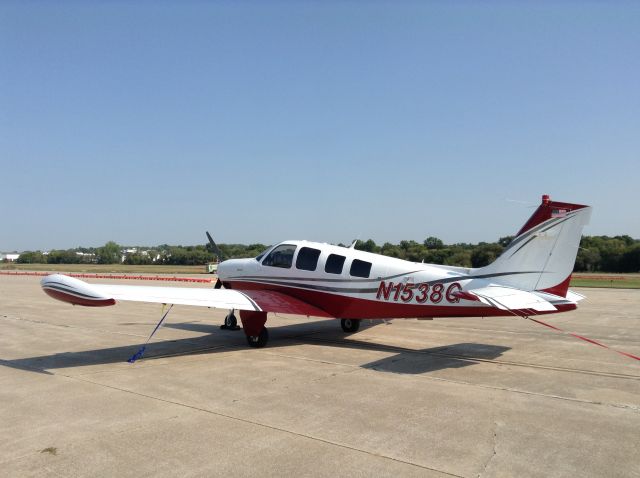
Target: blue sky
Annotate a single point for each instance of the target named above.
(149, 122)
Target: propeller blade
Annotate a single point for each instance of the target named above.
(215, 247)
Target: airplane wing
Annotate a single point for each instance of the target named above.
(508, 298)
(75, 291)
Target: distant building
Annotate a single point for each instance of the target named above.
(9, 256)
(86, 257)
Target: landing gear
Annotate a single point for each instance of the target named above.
(254, 329)
(259, 341)
(230, 322)
(350, 325)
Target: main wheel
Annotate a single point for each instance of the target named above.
(260, 340)
(350, 325)
(230, 321)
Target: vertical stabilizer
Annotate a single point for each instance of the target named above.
(542, 255)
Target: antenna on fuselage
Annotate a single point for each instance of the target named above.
(353, 244)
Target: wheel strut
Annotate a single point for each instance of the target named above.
(230, 322)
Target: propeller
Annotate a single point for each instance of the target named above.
(218, 253)
(215, 248)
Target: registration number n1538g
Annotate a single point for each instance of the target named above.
(421, 293)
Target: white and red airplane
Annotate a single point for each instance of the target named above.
(322, 280)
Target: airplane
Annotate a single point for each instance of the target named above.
(530, 277)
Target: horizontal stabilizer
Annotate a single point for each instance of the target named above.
(574, 296)
(508, 298)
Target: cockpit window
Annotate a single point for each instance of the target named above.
(307, 259)
(360, 268)
(334, 264)
(281, 256)
(261, 255)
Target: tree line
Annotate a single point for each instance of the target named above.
(596, 253)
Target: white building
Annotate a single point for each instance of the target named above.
(9, 256)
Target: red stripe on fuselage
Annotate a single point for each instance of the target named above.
(75, 300)
(347, 307)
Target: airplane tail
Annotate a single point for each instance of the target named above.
(542, 255)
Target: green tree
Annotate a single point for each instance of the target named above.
(32, 257)
(484, 254)
(436, 256)
(505, 241)
(369, 246)
(433, 243)
(63, 257)
(588, 260)
(109, 253)
(138, 259)
(460, 258)
(631, 259)
(392, 250)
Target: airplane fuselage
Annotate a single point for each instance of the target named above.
(348, 283)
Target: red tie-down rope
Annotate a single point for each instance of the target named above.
(586, 339)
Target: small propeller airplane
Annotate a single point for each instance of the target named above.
(530, 277)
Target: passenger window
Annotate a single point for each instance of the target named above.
(281, 256)
(334, 264)
(360, 268)
(307, 259)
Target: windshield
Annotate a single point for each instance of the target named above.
(280, 256)
(261, 255)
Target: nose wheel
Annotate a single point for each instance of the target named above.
(230, 322)
(350, 325)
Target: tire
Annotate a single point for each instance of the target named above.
(259, 341)
(350, 325)
(230, 321)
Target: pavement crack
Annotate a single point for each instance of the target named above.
(495, 450)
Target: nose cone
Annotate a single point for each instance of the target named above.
(235, 268)
(223, 270)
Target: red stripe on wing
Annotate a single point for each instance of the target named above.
(272, 301)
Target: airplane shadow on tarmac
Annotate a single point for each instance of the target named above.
(404, 360)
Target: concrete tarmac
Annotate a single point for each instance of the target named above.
(472, 397)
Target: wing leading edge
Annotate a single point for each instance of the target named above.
(77, 292)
